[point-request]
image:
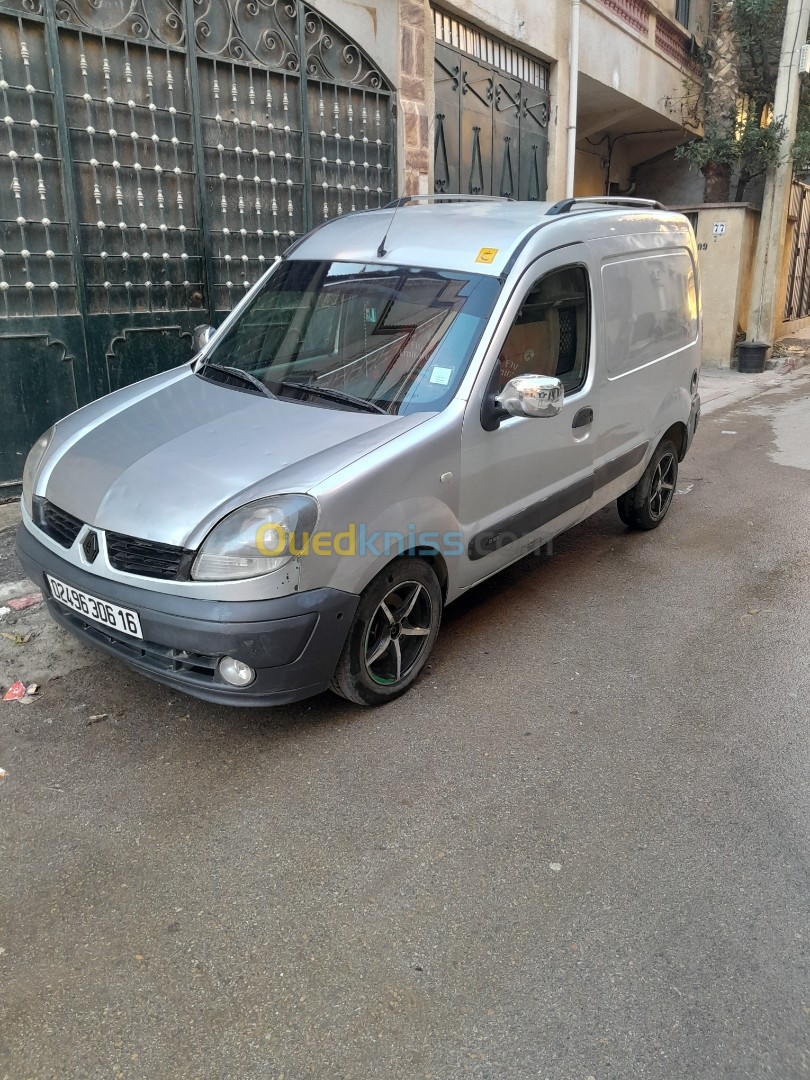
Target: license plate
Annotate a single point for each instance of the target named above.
(100, 611)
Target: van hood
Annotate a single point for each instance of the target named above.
(166, 459)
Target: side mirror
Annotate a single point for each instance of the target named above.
(200, 336)
(531, 395)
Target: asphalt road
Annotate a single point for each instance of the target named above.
(577, 849)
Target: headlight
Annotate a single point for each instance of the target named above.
(32, 464)
(256, 539)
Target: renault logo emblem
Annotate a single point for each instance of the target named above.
(90, 546)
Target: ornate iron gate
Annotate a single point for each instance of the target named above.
(148, 175)
(492, 107)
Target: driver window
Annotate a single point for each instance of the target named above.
(550, 334)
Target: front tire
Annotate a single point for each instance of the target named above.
(392, 635)
(645, 506)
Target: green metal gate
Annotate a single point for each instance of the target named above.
(148, 176)
(492, 111)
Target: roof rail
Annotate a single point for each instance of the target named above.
(445, 198)
(564, 206)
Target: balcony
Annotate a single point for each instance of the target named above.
(663, 31)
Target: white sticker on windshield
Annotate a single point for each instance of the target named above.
(441, 375)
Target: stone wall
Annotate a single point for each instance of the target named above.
(416, 95)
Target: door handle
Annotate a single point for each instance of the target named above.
(583, 418)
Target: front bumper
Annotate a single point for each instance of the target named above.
(292, 642)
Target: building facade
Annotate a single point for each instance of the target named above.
(484, 91)
(157, 155)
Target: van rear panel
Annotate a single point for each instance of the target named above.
(651, 344)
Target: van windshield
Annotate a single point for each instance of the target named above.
(351, 335)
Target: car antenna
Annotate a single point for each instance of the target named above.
(405, 199)
(381, 249)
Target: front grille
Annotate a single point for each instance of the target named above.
(58, 524)
(147, 558)
(157, 658)
(127, 553)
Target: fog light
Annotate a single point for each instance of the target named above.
(235, 672)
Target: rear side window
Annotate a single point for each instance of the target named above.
(550, 334)
(650, 309)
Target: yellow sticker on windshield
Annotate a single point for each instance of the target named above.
(486, 255)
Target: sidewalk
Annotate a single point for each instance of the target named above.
(721, 386)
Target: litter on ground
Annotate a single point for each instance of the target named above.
(18, 691)
(23, 602)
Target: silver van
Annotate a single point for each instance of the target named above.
(410, 400)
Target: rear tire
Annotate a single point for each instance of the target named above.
(645, 506)
(392, 634)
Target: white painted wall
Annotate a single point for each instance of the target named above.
(374, 26)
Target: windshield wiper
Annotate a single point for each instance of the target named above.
(337, 395)
(249, 379)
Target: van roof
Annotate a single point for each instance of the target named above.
(476, 236)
